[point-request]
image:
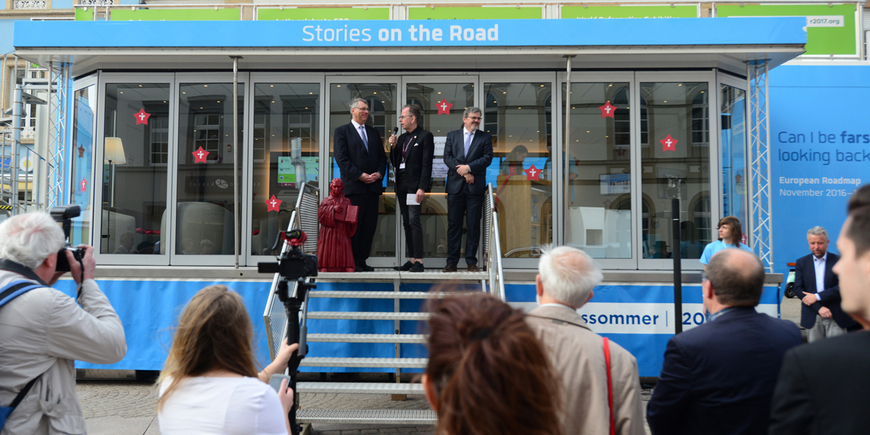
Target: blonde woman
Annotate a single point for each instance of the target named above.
(209, 384)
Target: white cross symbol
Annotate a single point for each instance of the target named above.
(83, 184)
(532, 172)
(273, 203)
(142, 116)
(607, 109)
(199, 153)
(443, 106)
(669, 142)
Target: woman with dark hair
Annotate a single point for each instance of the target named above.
(513, 163)
(487, 372)
(209, 384)
(730, 234)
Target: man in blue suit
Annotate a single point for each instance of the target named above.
(719, 378)
(467, 154)
(359, 153)
(819, 289)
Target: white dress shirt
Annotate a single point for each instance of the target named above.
(819, 265)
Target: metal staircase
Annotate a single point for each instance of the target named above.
(491, 280)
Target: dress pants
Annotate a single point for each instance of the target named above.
(823, 328)
(410, 219)
(459, 205)
(367, 223)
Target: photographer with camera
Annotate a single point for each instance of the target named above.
(43, 331)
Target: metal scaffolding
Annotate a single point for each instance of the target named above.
(759, 161)
(58, 114)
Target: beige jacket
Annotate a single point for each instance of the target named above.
(42, 333)
(577, 354)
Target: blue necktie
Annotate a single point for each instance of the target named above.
(362, 134)
(468, 137)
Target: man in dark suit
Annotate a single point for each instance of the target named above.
(359, 153)
(412, 160)
(822, 388)
(467, 154)
(718, 378)
(819, 290)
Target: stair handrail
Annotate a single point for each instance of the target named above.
(274, 317)
(492, 244)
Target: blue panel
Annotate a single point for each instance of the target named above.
(820, 151)
(148, 309)
(454, 33)
(63, 4)
(6, 31)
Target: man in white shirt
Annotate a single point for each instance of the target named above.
(819, 290)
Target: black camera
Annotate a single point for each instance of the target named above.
(64, 214)
(293, 263)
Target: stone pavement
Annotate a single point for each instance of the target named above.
(124, 406)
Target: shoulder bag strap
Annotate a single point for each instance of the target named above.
(609, 385)
(15, 289)
(12, 291)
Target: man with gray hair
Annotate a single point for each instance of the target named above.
(579, 356)
(360, 156)
(467, 154)
(819, 290)
(43, 331)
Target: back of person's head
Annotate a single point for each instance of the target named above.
(213, 332)
(736, 228)
(858, 230)
(568, 275)
(487, 370)
(737, 277)
(30, 238)
(860, 198)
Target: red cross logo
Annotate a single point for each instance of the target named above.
(533, 173)
(443, 107)
(273, 203)
(83, 184)
(669, 144)
(200, 155)
(142, 117)
(607, 110)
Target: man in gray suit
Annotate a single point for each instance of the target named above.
(467, 154)
(564, 284)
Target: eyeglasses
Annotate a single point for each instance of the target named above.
(474, 118)
(406, 117)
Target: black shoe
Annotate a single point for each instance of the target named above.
(405, 267)
(473, 268)
(417, 267)
(364, 268)
(449, 268)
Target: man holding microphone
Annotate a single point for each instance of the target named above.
(412, 160)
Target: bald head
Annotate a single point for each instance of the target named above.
(568, 275)
(737, 277)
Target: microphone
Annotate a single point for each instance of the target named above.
(395, 132)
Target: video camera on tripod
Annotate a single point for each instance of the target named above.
(298, 267)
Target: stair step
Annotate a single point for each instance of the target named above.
(359, 388)
(367, 338)
(381, 295)
(370, 315)
(368, 416)
(403, 363)
(386, 275)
